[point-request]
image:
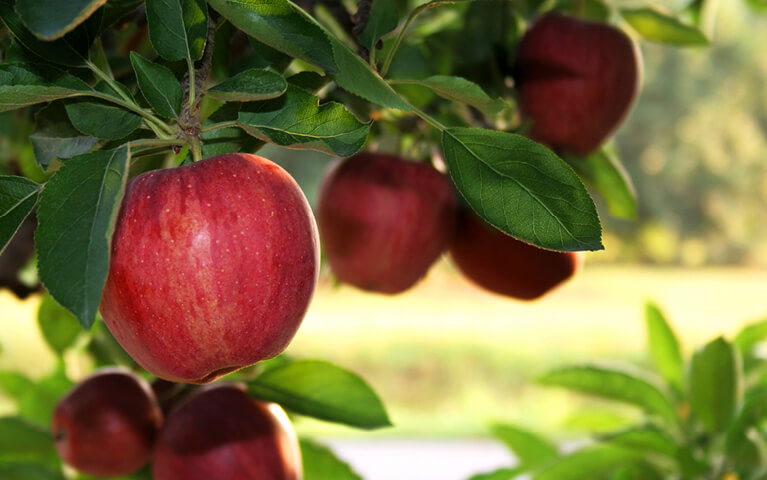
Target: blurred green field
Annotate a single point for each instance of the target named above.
(448, 358)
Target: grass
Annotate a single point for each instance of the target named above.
(448, 358)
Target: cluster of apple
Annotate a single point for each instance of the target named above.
(112, 424)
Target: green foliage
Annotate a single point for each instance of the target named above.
(18, 197)
(158, 85)
(249, 86)
(658, 26)
(51, 19)
(320, 463)
(59, 327)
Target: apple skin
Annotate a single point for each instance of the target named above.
(577, 80)
(221, 433)
(213, 266)
(384, 220)
(106, 424)
(502, 264)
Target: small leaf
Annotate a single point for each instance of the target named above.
(59, 327)
(158, 85)
(715, 384)
(36, 400)
(228, 140)
(77, 213)
(18, 197)
(296, 119)
(70, 50)
(530, 448)
(664, 347)
(460, 90)
(23, 84)
(522, 188)
(55, 137)
(646, 440)
(611, 382)
(21, 441)
(100, 118)
(321, 390)
(656, 26)
(603, 172)
(500, 474)
(178, 29)
(284, 27)
(52, 19)
(248, 86)
(594, 10)
(750, 335)
(383, 18)
(320, 463)
(587, 463)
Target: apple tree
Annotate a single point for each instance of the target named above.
(513, 100)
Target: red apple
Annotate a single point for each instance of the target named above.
(502, 264)
(213, 267)
(106, 424)
(220, 433)
(384, 221)
(577, 81)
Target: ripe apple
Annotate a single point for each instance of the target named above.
(213, 266)
(577, 80)
(106, 424)
(384, 221)
(502, 264)
(221, 433)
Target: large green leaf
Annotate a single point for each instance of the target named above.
(458, 89)
(178, 29)
(101, 119)
(664, 347)
(18, 197)
(530, 448)
(158, 85)
(59, 327)
(645, 439)
(23, 84)
(55, 137)
(715, 384)
(77, 213)
(657, 26)
(285, 27)
(750, 335)
(249, 86)
(615, 383)
(603, 172)
(587, 464)
(321, 390)
(71, 50)
(297, 120)
(52, 19)
(320, 463)
(21, 442)
(382, 19)
(522, 188)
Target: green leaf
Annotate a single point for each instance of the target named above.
(500, 474)
(59, 327)
(321, 464)
(530, 448)
(460, 90)
(603, 172)
(100, 118)
(715, 384)
(285, 27)
(77, 214)
(70, 50)
(55, 137)
(664, 347)
(639, 470)
(104, 348)
(656, 26)
(21, 441)
(178, 29)
(36, 400)
(594, 10)
(15, 385)
(614, 383)
(383, 19)
(18, 197)
(321, 390)
(587, 464)
(158, 85)
(28, 472)
(249, 86)
(228, 140)
(22, 85)
(522, 188)
(750, 335)
(297, 120)
(52, 19)
(646, 440)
